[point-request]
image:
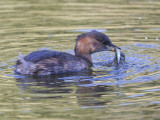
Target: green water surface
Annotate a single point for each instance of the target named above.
(128, 92)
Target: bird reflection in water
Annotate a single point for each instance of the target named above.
(58, 84)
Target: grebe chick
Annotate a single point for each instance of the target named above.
(47, 62)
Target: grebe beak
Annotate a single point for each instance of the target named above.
(112, 47)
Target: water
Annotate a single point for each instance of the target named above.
(130, 90)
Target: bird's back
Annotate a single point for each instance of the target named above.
(46, 54)
(46, 62)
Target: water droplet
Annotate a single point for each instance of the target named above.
(146, 37)
(139, 18)
(157, 39)
(51, 35)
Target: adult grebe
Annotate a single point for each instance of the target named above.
(47, 62)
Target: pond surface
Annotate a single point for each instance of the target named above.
(130, 91)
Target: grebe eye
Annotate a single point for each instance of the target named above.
(104, 42)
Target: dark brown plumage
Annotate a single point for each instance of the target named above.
(47, 62)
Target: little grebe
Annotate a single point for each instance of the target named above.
(47, 62)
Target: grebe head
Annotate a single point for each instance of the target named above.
(91, 42)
